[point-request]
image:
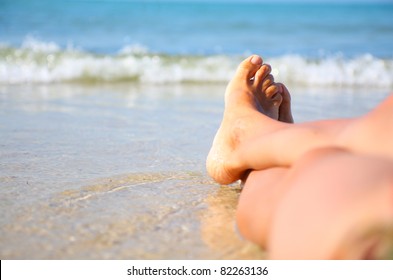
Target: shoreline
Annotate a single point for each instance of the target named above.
(117, 171)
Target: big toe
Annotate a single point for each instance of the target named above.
(249, 67)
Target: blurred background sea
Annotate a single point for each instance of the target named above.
(44, 41)
(108, 109)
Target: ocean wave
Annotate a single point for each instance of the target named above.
(42, 62)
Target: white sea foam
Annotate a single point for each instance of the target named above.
(364, 70)
(34, 45)
(43, 62)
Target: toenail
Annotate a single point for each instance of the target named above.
(267, 67)
(256, 60)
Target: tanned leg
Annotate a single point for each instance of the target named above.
(258, 201)
(256, 136)
(337, 205)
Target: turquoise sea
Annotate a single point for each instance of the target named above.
(108, 109)
(46, 41)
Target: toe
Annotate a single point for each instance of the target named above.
(284, 92)
(267, 82)
(285, 112)
(249, 67)
(276, 99)
(271, 91)
(261, 75)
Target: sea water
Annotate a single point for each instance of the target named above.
(108, 109)
(46, 41)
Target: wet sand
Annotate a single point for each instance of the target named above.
(116, 171)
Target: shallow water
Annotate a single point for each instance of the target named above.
(116, 171)
(106, 118)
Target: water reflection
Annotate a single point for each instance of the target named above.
(218, 229)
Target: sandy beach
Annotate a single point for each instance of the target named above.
(117, 171)
(111, 172)
(108, 110)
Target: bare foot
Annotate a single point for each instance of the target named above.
(251, 92)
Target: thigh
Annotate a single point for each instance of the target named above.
(333, 197)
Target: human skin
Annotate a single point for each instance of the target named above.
(278, 161)
(251, 139)
(324, 207)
